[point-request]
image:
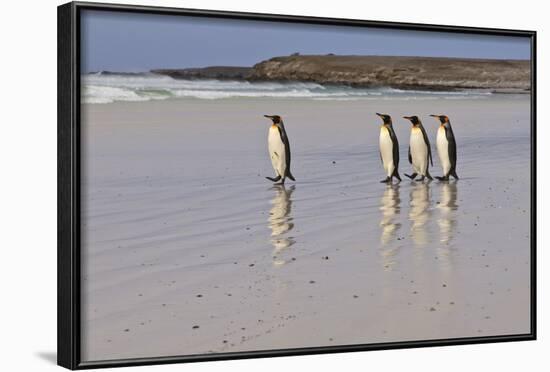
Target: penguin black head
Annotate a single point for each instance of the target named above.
(386, 118)
(275, 118)
(414, 120)
(442, 118)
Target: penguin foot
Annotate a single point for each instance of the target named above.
(387, 180)
(422, 179)
(446, 178)
(274, 179)
(411, 176)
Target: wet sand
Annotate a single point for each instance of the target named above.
(187, 249)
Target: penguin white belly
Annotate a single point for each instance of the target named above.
(386, 150)
(419, 152)
(276, 151)
(443, 150)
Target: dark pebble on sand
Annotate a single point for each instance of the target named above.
(251, 265)
(325, 258)
(195, 327)
(127, 330)
(333, 162)
(432, 308)
(199, 295)
(311, 281)
(355, 296)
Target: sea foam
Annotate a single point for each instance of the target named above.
(107, 88)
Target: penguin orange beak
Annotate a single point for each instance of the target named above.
(407, 117)
(268, 116)
(434, 116)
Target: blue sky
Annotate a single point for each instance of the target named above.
(139, 42)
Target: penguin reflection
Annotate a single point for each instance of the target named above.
(390, 208)
(280, 221)
(419, 212)
(447, 210)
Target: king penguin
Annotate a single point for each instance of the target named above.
(279, 150)
(446, 148)
(420, 152)
(389, 149)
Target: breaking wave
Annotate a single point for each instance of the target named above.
(106, 88)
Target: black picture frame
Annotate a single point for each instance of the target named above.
(69, 228)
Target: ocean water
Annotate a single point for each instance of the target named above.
(101, 88)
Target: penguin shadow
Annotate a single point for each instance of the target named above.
(280, 222)
(447, 207)
(419, 212)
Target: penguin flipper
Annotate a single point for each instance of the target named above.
(427, 142)
(284, 139)
(410, 157)
(396, 175)
(452, 146)
(289, 175)
(274, 179)
(428, 174)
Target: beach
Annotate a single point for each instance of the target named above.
(188, 249)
